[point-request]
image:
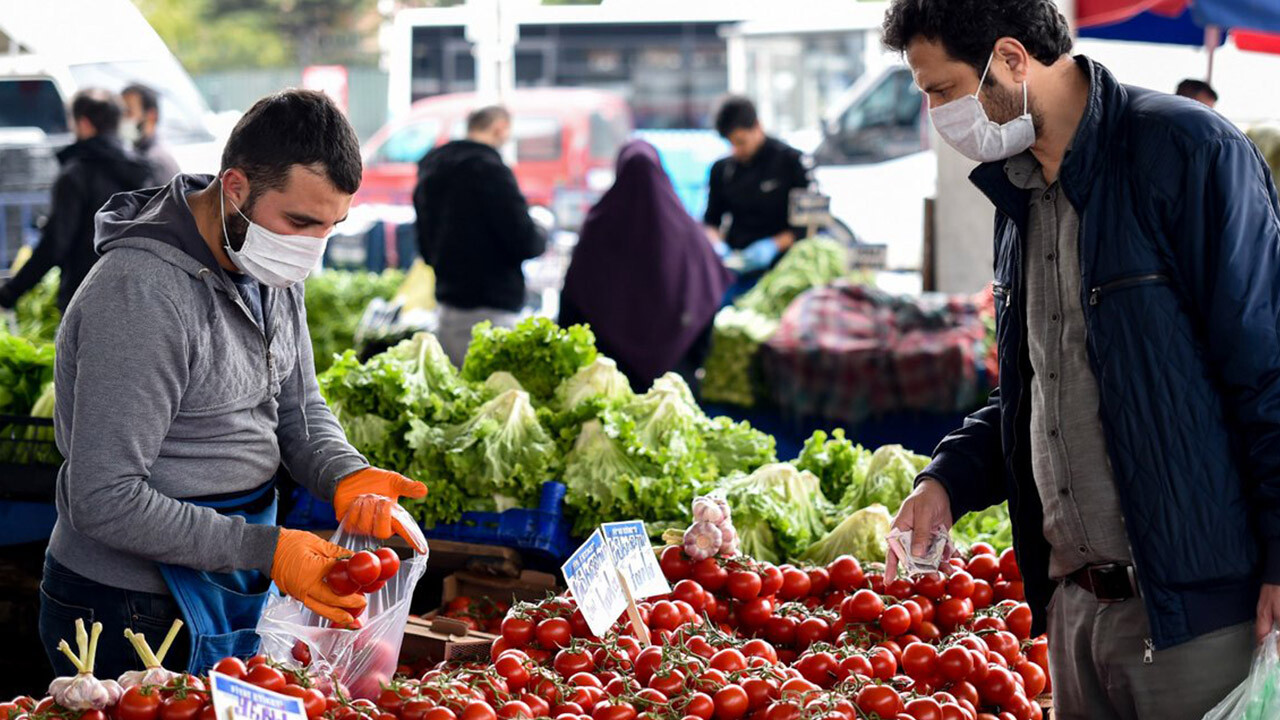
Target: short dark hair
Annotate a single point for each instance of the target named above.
(293, 127)
(736, 113)
(100, 107)
(969, 29)
(146, 96)
(1192, 88)
(484, 118)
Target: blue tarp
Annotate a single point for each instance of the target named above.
(1188, 28)
(1261, 15)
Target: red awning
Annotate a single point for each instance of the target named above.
(1256, 41)
(1094, 13)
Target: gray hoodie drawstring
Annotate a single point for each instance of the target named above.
(304, 355)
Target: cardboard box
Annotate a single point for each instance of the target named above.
(427, 642)
(530, 586)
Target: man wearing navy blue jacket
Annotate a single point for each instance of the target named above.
(1136, 430)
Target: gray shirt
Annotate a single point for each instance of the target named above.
(1082, 516)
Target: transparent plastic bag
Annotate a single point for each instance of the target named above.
(364, 659)
(1256, 698)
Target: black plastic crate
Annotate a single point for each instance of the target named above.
(29, 458)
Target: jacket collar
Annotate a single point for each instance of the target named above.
(1094, 137)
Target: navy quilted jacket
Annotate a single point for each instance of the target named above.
(1180, 259)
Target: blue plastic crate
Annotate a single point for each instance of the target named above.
(310, 513)
(543, 531)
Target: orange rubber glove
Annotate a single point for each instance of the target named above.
(365, 498)
(302, 560)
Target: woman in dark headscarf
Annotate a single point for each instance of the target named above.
(644, 274)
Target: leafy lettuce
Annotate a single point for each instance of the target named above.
(779, 511)
(537, 352)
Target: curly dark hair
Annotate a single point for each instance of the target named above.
(968, 29)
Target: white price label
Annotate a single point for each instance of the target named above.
(238, 700)
(593, 579)
(634, 557)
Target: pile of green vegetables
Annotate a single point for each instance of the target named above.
(836, 498)
(532, 404)
(335, 302)
(37, 310)
(732, 368)
(26, 388)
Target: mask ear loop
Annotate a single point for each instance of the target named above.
(985, 70)
(1026, 108)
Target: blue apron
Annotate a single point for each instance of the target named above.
(221, 610)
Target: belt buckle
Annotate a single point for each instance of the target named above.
(1096, 574)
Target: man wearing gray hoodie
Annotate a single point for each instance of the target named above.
(184, 379)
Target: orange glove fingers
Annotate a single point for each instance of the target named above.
(410, 488)
(332, 614)
(382, 519)
(408, 537)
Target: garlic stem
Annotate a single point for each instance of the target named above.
(168, 641)
(82, 640)
(66, 650)
(93, 646)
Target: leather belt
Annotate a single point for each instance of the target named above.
(1109, 583)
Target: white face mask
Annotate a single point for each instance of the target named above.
(271, 258)
(964, 124)
(130, 131)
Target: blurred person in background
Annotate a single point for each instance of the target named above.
(92, 169)
(141, 120)
(644, 276)
(753, 188)
(474, 230)
(1198, 90)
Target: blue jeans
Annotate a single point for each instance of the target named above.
(66, 595)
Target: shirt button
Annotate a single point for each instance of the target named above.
(1053, 376)
(1053, 433)
(1054, 317)
(1050, 257)
(1084, 549)
(1048, 197)
(1065, 492)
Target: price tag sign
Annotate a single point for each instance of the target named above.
(238, 700)
(593, 579)
(634, 557)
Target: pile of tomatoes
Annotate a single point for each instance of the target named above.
(741, 640)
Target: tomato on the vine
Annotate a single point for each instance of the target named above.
(731, 702)
(862, 607)
(881, 700)
(895, 620)
(266, 677)
(845, 573)
(553, 633)
(744, 585)
(710, 575)
(770, 579)
(676, 566)
(141, 703)
(796, 584)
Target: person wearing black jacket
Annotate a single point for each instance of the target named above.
(93, 168)
(474, 230)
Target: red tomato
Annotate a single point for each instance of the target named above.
(511, 665)
(783, 710)
(339, 581)
(364, 568)
(795, 584)
(998, 687)
(895, 620)
(440, 713)
(1034, 678)
(388, 563)
(881, 700)
(925, 709)
(478, 710)
(761, 649)
(954, 612)
(770, 579)
(846, 574)
(883, 663)
(709, 681)
(700, 705)
(755, 613)
(140, 703)
(1019, 622)
(513, 709)
(665, 616)
(955, 663)
(744, 585)
(232, 667)
(781, 630)
(919, 661)
(569, 662)
(731, 702)
(812, 630)
(1009, 565)
(553, 633)
(760, 692)
(539, 706)
(266, 677)
(818, 668)
(981, 548)
(730, 660)
(676, 566)
(984, 567)
(710, 575)
(690, 592)
(932, 586)
(862, 607)
(819, 581)
(669, 682)
(189, 706)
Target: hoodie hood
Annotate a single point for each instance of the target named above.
(107, 151)
(453, 155)
(157, 215)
